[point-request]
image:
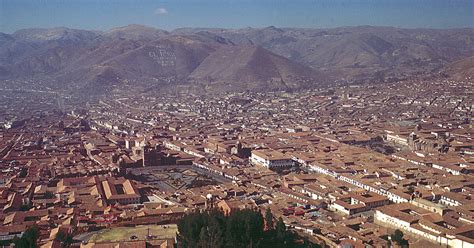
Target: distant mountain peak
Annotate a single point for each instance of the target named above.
(247, 67)
(136, 32)
(50, 34)
(133, 27)
(273, 28)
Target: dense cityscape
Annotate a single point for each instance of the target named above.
(342, 166)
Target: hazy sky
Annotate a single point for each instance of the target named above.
(171, 14)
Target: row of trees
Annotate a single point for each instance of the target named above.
(242, 228)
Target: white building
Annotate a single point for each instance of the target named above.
(271, 159)
(410, 220)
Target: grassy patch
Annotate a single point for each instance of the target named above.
(124, 233)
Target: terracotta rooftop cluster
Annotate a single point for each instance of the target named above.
(348, 164)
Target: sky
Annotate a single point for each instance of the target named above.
(172, 14)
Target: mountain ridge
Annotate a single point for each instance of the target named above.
(298, 57)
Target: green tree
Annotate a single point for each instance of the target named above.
(203, 238)
(28, 239)
(397, 237)
(65, 239)
(268, 219)
(60, 236)
(404, 243)
(280, 229)
(190, 228)
(216, 229)
(235, 230)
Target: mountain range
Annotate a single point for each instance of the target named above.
(216, 60)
